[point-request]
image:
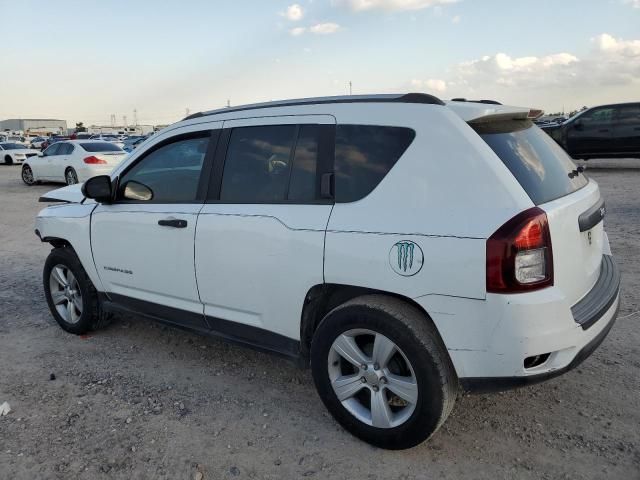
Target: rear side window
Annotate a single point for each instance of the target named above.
(364, 155)
(271, 164)
(629, 115)
(257, 165)
(100, 147)
(537, 162)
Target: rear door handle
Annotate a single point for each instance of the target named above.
(172, 222)
(604, 130)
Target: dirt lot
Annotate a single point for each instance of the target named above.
(138, 400)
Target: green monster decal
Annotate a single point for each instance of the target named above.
(407, 259)
(405, 254)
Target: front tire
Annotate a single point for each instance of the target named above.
(70, 294)
(70, 176)
(383, 372)
(27, 175)
(8, 160)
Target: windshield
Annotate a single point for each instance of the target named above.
(100, 147)
(541, 166)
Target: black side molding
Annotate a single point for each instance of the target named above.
(238, 333)
(595, 303)
(589, 219)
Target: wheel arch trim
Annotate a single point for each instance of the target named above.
(323, 298)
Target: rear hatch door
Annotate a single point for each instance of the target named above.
(571, 201)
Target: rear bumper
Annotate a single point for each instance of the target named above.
(498, 384)
(85, 173)
(512, 340)
(592, 319)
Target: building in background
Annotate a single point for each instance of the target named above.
(33, 126)
(122, 130)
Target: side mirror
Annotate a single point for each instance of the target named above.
(98, 188)
(578, 125)
(40, 154)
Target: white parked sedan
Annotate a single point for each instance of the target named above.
(15, 152)
(72, 161)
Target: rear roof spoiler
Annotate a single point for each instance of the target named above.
(476, 112)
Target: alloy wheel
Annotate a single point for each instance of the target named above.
(372, 378)
(71, 177)
(27, 175)
(65, 293)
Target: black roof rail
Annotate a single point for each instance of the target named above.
(489, 102)
(423, 98)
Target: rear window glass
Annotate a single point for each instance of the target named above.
(537, 162)
(364, 155)
(100, 147)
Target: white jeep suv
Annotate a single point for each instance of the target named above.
(405, 248)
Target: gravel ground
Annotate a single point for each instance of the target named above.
(139, 400)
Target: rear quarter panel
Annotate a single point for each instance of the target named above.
(447, 193)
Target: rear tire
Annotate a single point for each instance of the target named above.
(70, 176)
(71, 296)
(419, 369)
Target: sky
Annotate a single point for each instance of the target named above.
(87, 60)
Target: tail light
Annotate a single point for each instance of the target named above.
(93, 160)
(519, 255)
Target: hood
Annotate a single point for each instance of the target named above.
(69, 194)
(25, 150)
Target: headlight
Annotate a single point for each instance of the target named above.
(20, 155)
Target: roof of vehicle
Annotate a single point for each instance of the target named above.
(468, 110)
(613, 105)
(85, 141)
(379, 98)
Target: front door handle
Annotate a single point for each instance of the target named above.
(604, 130)
(172, 222)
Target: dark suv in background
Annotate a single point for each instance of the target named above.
(600, 132)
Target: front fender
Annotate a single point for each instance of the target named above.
(72, 224)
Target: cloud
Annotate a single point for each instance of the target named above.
(633, 3)
(432, 84)
(389, 5)
(294, 12)
(456, 19)
(609, 70)
(297, 31)
(520, 71)
(317, 29)
(324, 28)
(627, 48)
